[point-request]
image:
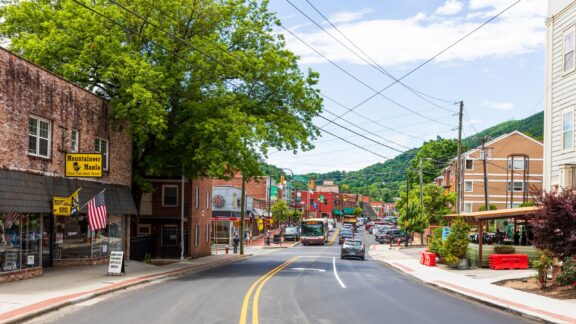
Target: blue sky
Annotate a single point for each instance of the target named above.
(498, 71)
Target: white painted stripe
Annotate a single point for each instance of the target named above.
(336, 273)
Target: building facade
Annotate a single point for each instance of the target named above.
(560, 94)
(227, 212)
(514, 168)
(162, 211)
(43, 117)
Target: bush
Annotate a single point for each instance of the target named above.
(455, 246)
(435, 244)
(568, 275)
(504, 249)
(542, 265)
(483, 208)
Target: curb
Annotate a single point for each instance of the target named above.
(57, 303)
(485, 302)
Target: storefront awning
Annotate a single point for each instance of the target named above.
(337, 212)
(348, 211)
(521, 213)
(261, 213)
(32, 193)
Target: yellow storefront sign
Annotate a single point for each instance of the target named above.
(84, 165)
(61, 206)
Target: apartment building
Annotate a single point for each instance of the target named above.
(560, 86)
(514, 168)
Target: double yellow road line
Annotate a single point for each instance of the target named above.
(258, 286)
(334, 236)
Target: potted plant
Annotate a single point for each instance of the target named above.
(455, 246)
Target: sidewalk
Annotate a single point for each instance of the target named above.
(478, 284)
(258, 245)
(57, 288)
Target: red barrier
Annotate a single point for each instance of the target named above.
(428, 259)
(508, 261)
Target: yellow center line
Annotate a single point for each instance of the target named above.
(257, 294)
(244, 312)
(333, 239)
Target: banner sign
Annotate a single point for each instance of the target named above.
(87, 165)
(61, 206)
(445, 232)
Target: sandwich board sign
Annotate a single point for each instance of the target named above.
(116, 263)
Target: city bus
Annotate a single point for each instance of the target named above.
(314, 231)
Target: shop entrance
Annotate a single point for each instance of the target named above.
(47, 240)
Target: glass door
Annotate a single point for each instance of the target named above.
(47, 240)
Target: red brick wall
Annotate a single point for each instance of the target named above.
(201, 216)
(20, 274)
(26, 89)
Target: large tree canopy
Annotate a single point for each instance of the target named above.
(206, 86)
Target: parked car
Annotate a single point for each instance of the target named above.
(392, 235)
(348, 226)
(368, 226)
(291, 234)
(352, 248)
(345, 234)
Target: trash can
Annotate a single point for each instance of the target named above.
(277, 238)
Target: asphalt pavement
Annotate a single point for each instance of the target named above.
(308, 284)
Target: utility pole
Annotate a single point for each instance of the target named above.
(182, 220)
(242, 212)
(421, 173)
(407, 201)
(486, 200)
(459, 158)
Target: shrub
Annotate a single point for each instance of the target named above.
(568, 275)
(435, 244)
(455, 246)
(504, 249)
(542, 265)
(483, 208)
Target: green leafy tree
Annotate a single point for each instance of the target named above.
(455, 246)
(436, 203)
(344, 188)
(358, 211)
(280, 211)
(435, 243)
(206, 87)
(295, 216)
(483, 207)
(434, 154)
(413, 220)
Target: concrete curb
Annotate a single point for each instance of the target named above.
(470, 297)
(57, 303)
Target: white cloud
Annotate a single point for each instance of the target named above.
(496, 105)
(349, 16)
(417, 38)
(450, 7)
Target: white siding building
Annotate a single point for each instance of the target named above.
(560, 89)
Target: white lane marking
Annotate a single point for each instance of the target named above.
(336, 273)
(309, 269)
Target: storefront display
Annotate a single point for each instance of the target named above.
(19, 241)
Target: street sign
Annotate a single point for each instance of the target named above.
(299, 178)
(274, 193)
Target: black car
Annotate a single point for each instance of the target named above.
(345, 234)
(352, 248)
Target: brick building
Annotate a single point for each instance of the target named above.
(43, 117)
(161, 213)
(514, 167)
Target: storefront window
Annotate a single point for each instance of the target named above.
(19, 241)
(75, 241)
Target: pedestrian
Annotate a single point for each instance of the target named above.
(516, 237)
(236, 242)
(268, 236)
(523, 237)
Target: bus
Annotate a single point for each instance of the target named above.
(314, 231)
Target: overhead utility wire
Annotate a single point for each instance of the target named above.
(363, 148)
(434, 57)
(372, 62)
(216, 45)
(376, 92)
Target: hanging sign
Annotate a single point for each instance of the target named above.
(61, 206)
(84, 165)
(116, 263)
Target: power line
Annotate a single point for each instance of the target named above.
(372, 62)
(365, 149)
(434, 57)
(377, 93)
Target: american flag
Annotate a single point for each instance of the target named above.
(10, 219)
(97, 212)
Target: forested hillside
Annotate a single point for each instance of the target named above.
(385, 179)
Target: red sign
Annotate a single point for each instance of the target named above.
(224, 218)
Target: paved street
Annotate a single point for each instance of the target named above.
(308, 285)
